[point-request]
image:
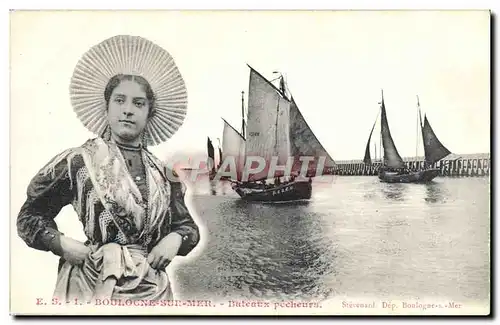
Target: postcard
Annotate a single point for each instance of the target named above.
(250, 162)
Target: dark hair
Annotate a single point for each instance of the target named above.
(115, 81)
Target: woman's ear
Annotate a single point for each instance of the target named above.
(151, 112)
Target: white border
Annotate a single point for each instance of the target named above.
(144, 4)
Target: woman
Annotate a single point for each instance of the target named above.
(128, 91)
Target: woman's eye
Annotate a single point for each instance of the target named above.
(119, 100)
(139, 104)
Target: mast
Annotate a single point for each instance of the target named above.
(242, 113)
(283, 93)
(419, 125)
(380, 145)
(276, 127)
(281, 89)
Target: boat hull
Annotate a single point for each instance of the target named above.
(422, 176)
(297, 190)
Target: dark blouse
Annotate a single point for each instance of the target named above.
(48, 193)
(135, 166)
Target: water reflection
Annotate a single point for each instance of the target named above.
(213, 187)
(341, 243)
(369, 189)
(223, 186)
(394, 191)
(298, 203)
(279, 251)
(435, 193)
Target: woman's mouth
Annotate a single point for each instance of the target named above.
(127, 122)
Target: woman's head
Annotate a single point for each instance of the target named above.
(129, 103)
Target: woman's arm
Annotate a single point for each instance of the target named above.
(184, 233)
(48, 192)
(182, 222)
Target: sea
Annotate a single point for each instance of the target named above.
(356, 237)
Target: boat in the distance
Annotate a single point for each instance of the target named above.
(274, 128)
(393, 168)
(210, 159)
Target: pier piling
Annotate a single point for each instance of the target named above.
(470, 165)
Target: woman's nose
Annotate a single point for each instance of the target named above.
(127, 109)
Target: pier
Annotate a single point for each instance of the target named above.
(468, 165)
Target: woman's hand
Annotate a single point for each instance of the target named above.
(73, 251)
(163, 253)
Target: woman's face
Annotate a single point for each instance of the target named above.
(128, 111)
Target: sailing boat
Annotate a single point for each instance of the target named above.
(393, 169)
(275, 128)
(210, 159)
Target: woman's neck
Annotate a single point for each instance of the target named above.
(136, 143)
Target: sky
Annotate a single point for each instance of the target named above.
(335, 63)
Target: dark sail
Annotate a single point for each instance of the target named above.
(434, 149)
(368, 160)
(303, 142)
(391, 156)
(211, 156)
(282, 86)
(220, 158)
